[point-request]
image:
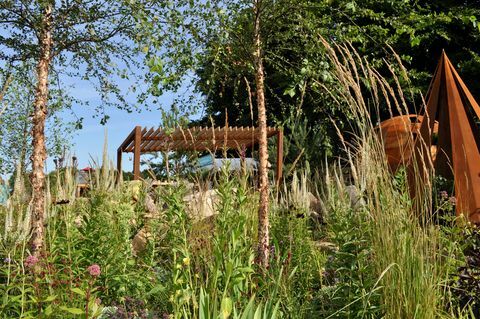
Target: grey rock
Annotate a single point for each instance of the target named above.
(355, 197)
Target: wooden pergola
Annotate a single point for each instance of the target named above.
(143, 140)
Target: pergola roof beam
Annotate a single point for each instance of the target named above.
(142, 141)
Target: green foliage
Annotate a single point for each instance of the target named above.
(214, 274)
(299, 79)
(15, 122)
(91, 42)
(350, 290)
(380, 261)
(88, 232)
(190, 268)
(465, 285)
(417, 31)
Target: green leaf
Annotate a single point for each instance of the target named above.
(50, 298)
(79, 291)
(275, 310)
(48, 310)
(290, 92)
(351, 6)
(248, 311)
(226, 307)
(473, 20)
(73, 311)
(258, 312)
(245, 269)
(414, 41)
(156, 289)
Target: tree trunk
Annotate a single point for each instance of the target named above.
(38, 130)
(3, 91)
(263, 220)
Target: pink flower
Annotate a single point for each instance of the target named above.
(453, 200)
(444, 194)
(78, 221)
(30, 261)
(94, 270)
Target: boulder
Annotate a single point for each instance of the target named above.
(316, 207)
(201, 204)
(355, 197)
(326, 246)
(134, 188)
(139, 242)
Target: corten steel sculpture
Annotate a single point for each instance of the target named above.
(458, 139)
(142, 141)
(398, 134)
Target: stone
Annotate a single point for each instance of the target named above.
(355, 197)
(326, 246)
(151, 208)
(139, 242)
(316, 207)
(134, 188)
(202, 204)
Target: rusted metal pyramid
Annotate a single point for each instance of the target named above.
(458, 139)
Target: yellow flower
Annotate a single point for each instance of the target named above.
(186, 261)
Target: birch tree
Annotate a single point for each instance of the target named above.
(191, 27)
(87, 40)
(16, 125)
(263, 220)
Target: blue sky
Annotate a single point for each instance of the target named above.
(88, 142)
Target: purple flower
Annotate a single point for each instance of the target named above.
(7, 260)
(444, 195)
(272, 251)
(94, 270)
(30, 261)
(453, 200)
(243, 152)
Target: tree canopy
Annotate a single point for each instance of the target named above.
(87, 40)
(15, 122)
(297, 71)
(92, 41)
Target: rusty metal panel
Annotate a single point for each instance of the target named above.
(398, 135)
(458, 147)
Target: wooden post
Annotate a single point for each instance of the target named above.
(279, 157)
(136, 152)
(119, 164)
